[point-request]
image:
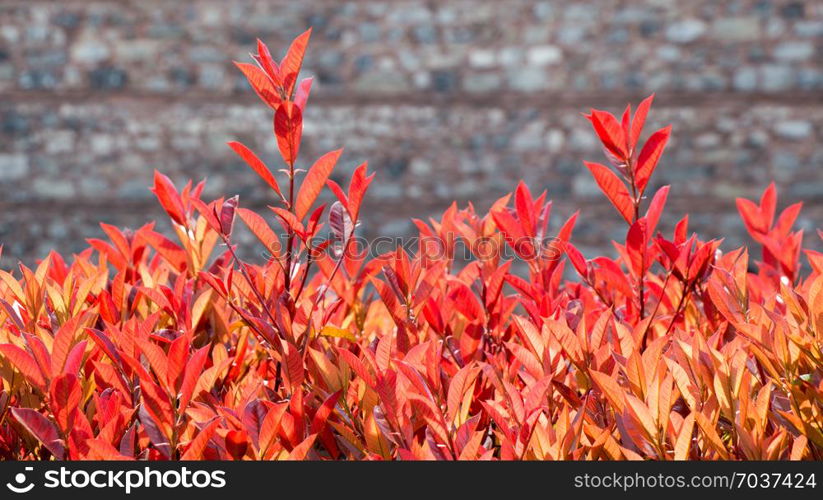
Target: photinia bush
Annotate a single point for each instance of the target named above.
(152, 348)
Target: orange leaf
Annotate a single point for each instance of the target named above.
(168, 249)
(610, 388)
(199, 443)
(614, 189)
(301, 450)
(63, 340)
(258, 226)
(711, 435)
(684, 438)
(643, 415)
(314, 182)
(256, 164)
(462, 382)
(25, 364)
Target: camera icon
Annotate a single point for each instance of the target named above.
(20, 479)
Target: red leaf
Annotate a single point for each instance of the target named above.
(656, 208)
(100, 449)
(156, 357)
(170, 251)
(613, 275)
(237, 442)
(288, 128)
(614, 189)
(786, 220)
(257, 165)
(565, 232)
(169, 198)
(176, 362)
(292, 366)
(157, 404)
(293, 61)
(462, 382)
(194, 368)
(625, 125)
(302, 95)
(64, 399)
(208, 212)
(268, 64)
(314, 181)
(640, 119)
(75, 358)
(117, 238)
(109, 251)
(758, 219)
(313, 221)
(261, 84)
(260, 229)
(650, 156)
(636, 247)
(681, 229)
(577, 259)
(525, 209)
(359, 368)
(768, 204)
(506, 222)
(465, 302)
(609, 131)
(359, 183)
(338, 192)
(41, 355)
(750, 213)
(318, 422)
(494, 285)
(39, 427)
(105, 344)
(289, 221)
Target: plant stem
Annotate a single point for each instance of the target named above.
(257, 294)
(641, 292)
(290, 237)
(654, 312)
(680, 305)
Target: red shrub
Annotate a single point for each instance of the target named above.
(149, 348)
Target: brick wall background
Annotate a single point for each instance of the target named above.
(447, 100)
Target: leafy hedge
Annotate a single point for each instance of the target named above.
(144, 347)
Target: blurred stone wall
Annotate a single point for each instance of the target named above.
(447, 100)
